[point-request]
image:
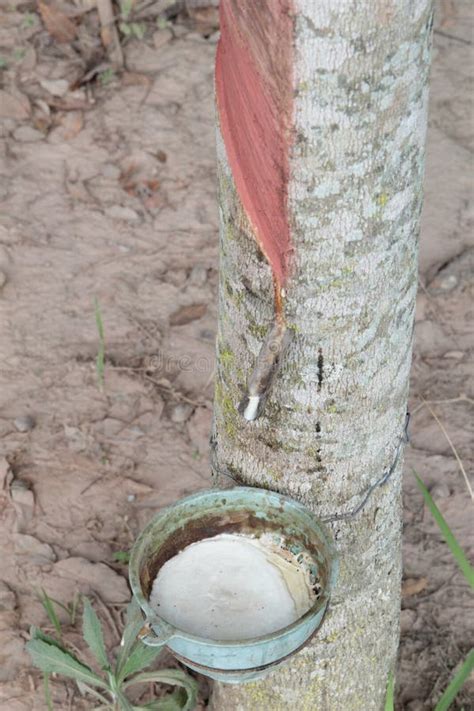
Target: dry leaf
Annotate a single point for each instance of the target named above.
(72, 123)
(71, 103)
(205, 18)
(186, 314)
(56, 87)
(56, 22)
(134, 79)
(413, 586)
(108, 32)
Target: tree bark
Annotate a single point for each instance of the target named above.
(334, 418)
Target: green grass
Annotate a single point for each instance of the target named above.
(390, 693)
(466, 568)
(458, 553)
(456, 683)
(48, 604)
(47, 692)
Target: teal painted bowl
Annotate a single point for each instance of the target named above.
(241, 510)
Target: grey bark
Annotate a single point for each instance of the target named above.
(336, 413)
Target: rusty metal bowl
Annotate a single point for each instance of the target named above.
(242, 510)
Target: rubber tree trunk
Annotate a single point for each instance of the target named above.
(352, 192)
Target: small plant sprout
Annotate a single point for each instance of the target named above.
(126, 7)
(106, 76)
(162, 23)
(127, 28)
(29, 20)
(19, 53)
(100, 360)
(49, 604)
(108, 686)
(121, 557)
(133, 29)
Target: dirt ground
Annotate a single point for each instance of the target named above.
(108, 205)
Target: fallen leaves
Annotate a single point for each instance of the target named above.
(56, 22)
(205, 18)
(186, 314)
(413, 586)
(72, 124)
(145, 189)
(56, 87)
(135, 79)
(108, 32)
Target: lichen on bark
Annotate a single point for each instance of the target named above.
(337, 409)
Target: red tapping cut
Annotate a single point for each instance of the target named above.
(254, 98)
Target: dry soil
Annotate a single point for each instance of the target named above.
(108, 209)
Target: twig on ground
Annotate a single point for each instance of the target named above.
(91, 484)
(461, 398)
(176, 394)
(109, 33)
(453, 448)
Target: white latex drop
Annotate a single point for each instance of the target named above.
(231, 587)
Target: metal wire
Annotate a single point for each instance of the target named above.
(404, 439)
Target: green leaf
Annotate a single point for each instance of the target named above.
(126, 7)
(121, 557)
(390, 693)
(36, 633)
(105, 78)
(124, 703)
(86, 689)
(133, 625)
(47, 692)
(50, 659)
(138, 29)
(74, 606)
(70, 608)
(174, 677)
(162, 23)
(175, 701)
(456, 683)
(125, 29)
(456, 550)
(140, 658)
(92, 633)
